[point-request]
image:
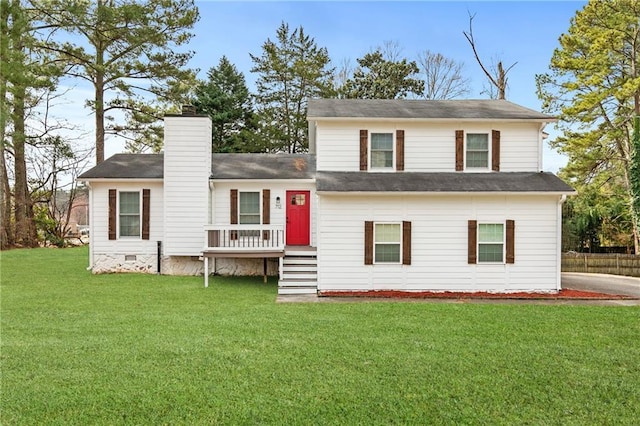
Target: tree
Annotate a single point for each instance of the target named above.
(26, 75)
(128, 51)
(443, 77)
(594, 86)
(380, 78)
(496, 74)
(226, 99)
(290, 70)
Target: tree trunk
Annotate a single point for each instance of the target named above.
(99, 86)
(99, 89)
(25, 234)
(6, 232)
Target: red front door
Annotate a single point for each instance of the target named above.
(298, 218)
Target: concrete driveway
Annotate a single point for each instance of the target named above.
(601, 283)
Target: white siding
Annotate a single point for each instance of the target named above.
(100, 243)
(439, 243)
(221, 199)
(429, 146)
(187, 167)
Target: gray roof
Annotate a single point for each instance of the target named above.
(440, 182)
(128, 166)
(263, 166)
(472, 109)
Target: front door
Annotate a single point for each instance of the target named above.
(298, 218)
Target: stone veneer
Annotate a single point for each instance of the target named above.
(181, 265)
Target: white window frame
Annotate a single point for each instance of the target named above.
(393, 151)
(130, 237)
(479, 243)
(466, 151)
(375, 261)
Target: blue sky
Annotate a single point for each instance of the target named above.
(514, 31)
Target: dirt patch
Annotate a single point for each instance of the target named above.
(394, 294)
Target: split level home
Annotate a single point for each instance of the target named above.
(405, 195)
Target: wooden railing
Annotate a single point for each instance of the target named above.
(244, 238)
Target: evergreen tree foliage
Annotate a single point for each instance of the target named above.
(128, 50)
(291, 70)
(377, 77)
(594, 87)
(635, 172)
(226, 99)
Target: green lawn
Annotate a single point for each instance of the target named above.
(146, 349)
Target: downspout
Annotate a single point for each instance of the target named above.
(91, 230)
(540, 145)
(559, 243)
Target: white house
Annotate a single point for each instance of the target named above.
(394, 195)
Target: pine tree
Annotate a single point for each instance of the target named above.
(226, 99)
(379, 78)
(128, 51)
(594, 86)
(290, 70)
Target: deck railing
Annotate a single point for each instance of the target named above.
(244, 238)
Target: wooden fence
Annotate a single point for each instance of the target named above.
(616, 264)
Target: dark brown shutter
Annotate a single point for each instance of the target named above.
(399, 150)
(472, 242)
(368, 243)
(364, 143)
(511, 247)
(266, 211)
(459, 150)
(146, 197)
(112, 213)
(406, 243)
(495, 150)
(233, 208)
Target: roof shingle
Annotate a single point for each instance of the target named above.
(472, 109)
(440, 182)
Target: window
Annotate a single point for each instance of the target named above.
(129, 214)
(249, 212)
(477, 150)
(490, 242)
(381, 150)
(387, 242)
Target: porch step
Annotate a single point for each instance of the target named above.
(298, 290)
(299, 271)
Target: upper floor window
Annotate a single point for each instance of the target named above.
(129, 214)
(381, 150)
(477, 150)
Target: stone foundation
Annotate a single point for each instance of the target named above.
(181, 265)
(110, 263)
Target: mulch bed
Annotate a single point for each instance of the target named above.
(562, 294)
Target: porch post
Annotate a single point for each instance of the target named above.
(206, 271)
(264, 269)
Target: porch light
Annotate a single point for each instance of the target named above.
(278, 205)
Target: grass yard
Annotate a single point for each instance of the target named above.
(144, 349)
